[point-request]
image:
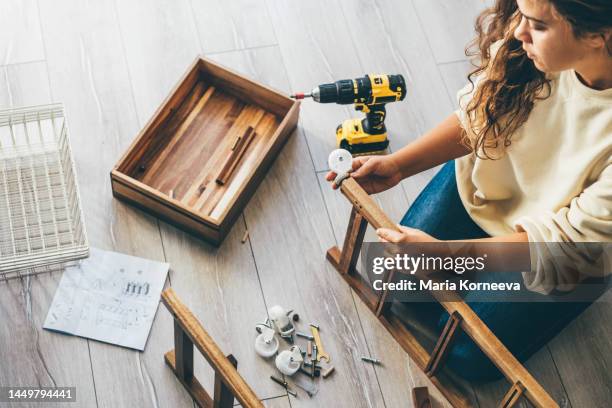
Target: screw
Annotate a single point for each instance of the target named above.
(370, 360)
(296, 317)
(313, 368)
(304, 335)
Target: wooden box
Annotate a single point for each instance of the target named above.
(172, 167)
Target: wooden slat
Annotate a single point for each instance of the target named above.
(223, 397)
(421, 398)
(209, 349)
(352, 242)
(183, 352)
(512, 396)
(443, 345)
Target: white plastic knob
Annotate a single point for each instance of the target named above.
(340, 161)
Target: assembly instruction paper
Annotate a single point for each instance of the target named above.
(109, 297)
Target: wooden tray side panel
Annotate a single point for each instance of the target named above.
(245, 89)
(168, 167)
(165, 211)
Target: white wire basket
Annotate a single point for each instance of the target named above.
(41, 221)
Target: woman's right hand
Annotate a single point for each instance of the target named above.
(373, 173)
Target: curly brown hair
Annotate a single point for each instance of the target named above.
(507, 93)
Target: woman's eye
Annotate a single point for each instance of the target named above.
(537, 27)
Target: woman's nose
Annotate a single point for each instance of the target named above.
(521, 33)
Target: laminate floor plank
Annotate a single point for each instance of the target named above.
(449, 25)
(21, 39)
(581, 353)
(32, 356)
(88, 72)
(232, 25)
(220, 285)
(286, 209)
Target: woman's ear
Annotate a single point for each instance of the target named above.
(599, 41)
(607, 36)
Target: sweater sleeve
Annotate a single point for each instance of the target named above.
(564, 261)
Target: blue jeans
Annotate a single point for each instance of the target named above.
(522, 327)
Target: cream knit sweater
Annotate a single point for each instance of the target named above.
(554, 181)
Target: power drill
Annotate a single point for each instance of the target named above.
(369, 94)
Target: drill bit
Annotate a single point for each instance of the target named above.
(301, 95)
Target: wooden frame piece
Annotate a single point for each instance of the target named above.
(512, 396)
(189, 332)
(365, 210)
(443, 345)
(172, 169)
(421, 398)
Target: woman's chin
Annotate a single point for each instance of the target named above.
(539, 66)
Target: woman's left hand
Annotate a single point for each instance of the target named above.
(405, 235)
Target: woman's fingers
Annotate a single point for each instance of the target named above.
(359, 161)
(330, 176)
(365, 169)
(389, 235)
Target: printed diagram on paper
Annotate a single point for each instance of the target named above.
(109, 297)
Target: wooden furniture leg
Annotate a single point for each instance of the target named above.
(353, 240)
(421, 398)
(223, 395)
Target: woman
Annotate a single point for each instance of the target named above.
(528, 158)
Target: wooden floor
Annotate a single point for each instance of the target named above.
(112, 63)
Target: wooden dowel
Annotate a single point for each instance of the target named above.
(236, 154)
